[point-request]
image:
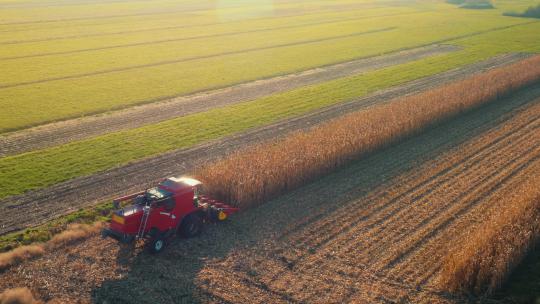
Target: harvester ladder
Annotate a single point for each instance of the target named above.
(144, 220)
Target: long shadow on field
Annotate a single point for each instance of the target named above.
(171, 277)
(522, 286)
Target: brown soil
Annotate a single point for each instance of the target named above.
(66, 131)
(36, 207)
(373, 232)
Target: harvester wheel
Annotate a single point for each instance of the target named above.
(156, 244)
(191, 226)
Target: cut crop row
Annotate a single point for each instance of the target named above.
(485, 257)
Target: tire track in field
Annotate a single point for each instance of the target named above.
(419, 267)
(55, 201)
(395, 258)
(62, 132)
(431, 227)
(491, 183)
(305, 12)
(329, 21)
(116, 46)
(194, 58)
(141, 30)
(394, 237)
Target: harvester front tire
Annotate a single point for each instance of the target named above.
(191, 226)
(156, 245)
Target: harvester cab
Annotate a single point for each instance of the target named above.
(174, 206)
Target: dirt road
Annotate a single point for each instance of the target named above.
(76, 129)
(374, 232)
(39, 206)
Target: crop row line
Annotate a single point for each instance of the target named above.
(201, 25)
(481, 262)
(127, 15)
(387, 208)
(153, 42)
(248, 50)
(166, 62)
(116, 16)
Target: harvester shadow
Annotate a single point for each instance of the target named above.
(171, 276)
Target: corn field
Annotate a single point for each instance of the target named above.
(485, 258)
(264, 171)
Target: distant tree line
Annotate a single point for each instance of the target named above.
(531, 12)
(472, 4)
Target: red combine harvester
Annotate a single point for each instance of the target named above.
(176, 205)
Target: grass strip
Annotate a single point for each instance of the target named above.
(45, 232)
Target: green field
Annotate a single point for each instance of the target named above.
(78, 67)
(71, 60)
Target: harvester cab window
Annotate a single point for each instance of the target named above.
(156, 193)
(159, 197)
